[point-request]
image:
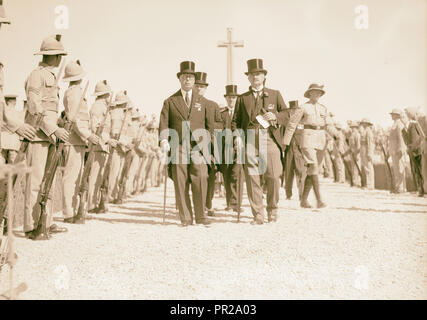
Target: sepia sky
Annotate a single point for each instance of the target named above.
(138, 45)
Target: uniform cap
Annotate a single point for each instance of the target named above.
(101, 88)
(52, 46)
(73, 71)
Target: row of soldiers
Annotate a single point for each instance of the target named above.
(355, 149)
(106, 153)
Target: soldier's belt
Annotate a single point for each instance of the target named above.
(308, 126)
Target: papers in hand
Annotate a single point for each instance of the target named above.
(265, 124)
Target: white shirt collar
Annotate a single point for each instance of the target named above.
(190, 93)
(259, 90)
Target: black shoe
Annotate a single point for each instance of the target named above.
(228, 208)
(55, 229)
(211, 213)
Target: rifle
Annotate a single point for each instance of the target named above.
(41, 232)
(386, 157)
(84, 185)
(17, 179)
(105, 177)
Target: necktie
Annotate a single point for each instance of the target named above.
(187, 99)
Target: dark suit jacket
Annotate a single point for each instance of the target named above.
(245, 112)
(175, 111)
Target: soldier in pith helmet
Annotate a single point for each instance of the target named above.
(42, 92)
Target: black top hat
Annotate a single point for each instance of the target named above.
(201, 78)
(187, 67)
(231, 90)
(255, 65)
(293, 104)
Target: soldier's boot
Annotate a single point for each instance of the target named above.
(315, 180)
(307, 187)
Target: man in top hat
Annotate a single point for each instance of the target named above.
(258, 116)
(9, 141)
(43, 100)
(120, 122)
(414, 139)
(316, 121)
(100, 115)
(77, 111)
(294, 165)
(200, 88)
(397, 149)
(185, 129)
(354, 144)
(367, 149)
(231, 169)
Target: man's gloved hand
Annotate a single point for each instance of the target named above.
(27, 131)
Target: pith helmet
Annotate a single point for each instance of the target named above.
(121, 98)
(186, 67)
(397, 112)
(73, 71)
(101, 88)
(3, 17)
(255, 65)
(366, 121)
(52, 46)
(314, 86)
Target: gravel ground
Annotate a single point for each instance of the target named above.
(365, 245)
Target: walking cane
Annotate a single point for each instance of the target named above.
(166, 183)
(239, 177)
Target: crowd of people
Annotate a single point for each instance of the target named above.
(111, 150)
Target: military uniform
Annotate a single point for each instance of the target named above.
(316, 121)
(99, 115)
(367, 148)
(338, 150)
(76, 110)
(354, 144)
(414, 141)
(120, 120)
(43, 98)
(397, 151)
(10, 141)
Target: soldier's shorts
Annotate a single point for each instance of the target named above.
(313, 158)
